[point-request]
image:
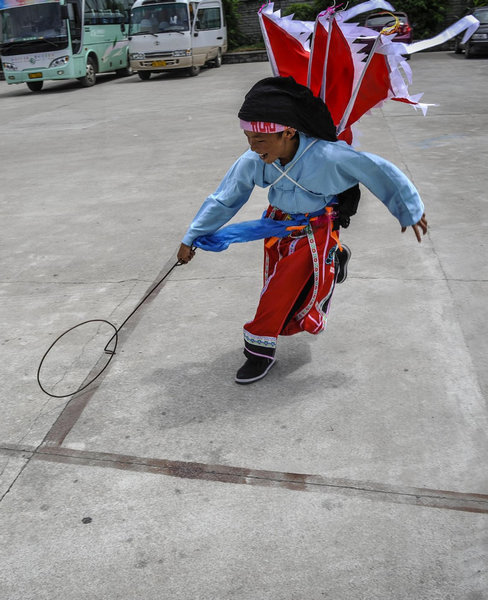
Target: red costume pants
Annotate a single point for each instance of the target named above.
(299, 279)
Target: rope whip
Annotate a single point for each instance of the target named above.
(108, 349)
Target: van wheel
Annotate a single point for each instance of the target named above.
(218, 59)
(468, 53)
(144, 75)
(193, 71)
(91, 74)
(35, 86)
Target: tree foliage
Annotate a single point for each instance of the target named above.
(234, 34)
(426, 16)
(302, 11)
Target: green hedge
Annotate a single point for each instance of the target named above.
(234, 35)
(426, 16)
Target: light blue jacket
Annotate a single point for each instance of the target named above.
(324, 170)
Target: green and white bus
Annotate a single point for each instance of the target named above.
(45, 40)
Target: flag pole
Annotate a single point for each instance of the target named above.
(269, 50)
(309, 71)
(327, 48)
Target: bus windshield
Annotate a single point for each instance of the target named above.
(37, 26)
(159, 18)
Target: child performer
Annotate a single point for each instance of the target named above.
(313, 189)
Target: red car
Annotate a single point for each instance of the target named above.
(379, 21)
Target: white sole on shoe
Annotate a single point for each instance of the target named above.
(245, 381)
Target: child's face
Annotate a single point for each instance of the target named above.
(272, 146)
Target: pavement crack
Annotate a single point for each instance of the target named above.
(16, 477)
(382, 278)
(81, 283)
(123, 300)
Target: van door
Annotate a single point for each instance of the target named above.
(209, 32)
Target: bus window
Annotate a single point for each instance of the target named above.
(74, 13)
(106, 12)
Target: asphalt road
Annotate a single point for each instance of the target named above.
(355, 470)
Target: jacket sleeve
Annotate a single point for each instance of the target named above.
(383, 179)
(233, 192)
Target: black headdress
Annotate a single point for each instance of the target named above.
(282, 100)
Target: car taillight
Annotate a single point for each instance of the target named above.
(404, 29)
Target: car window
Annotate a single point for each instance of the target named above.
(208, 18)
(482, 16)
(384, 20)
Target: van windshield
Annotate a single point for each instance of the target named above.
(159, 18)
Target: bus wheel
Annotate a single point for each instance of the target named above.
(91, 74)
(35, 86)
(193, 71)
(144, 75)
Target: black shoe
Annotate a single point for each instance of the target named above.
(341, 259)
(253, 369)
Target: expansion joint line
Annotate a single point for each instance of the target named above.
(421, 497)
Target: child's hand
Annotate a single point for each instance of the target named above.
(185, 254)
(421, 225)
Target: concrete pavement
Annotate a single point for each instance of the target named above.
(355, 470)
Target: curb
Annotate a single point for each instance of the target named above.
(245, 57)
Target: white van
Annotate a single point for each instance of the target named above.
(176, 35)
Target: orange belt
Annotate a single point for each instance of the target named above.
(334, 234)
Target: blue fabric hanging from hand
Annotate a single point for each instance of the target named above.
(248, 231)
